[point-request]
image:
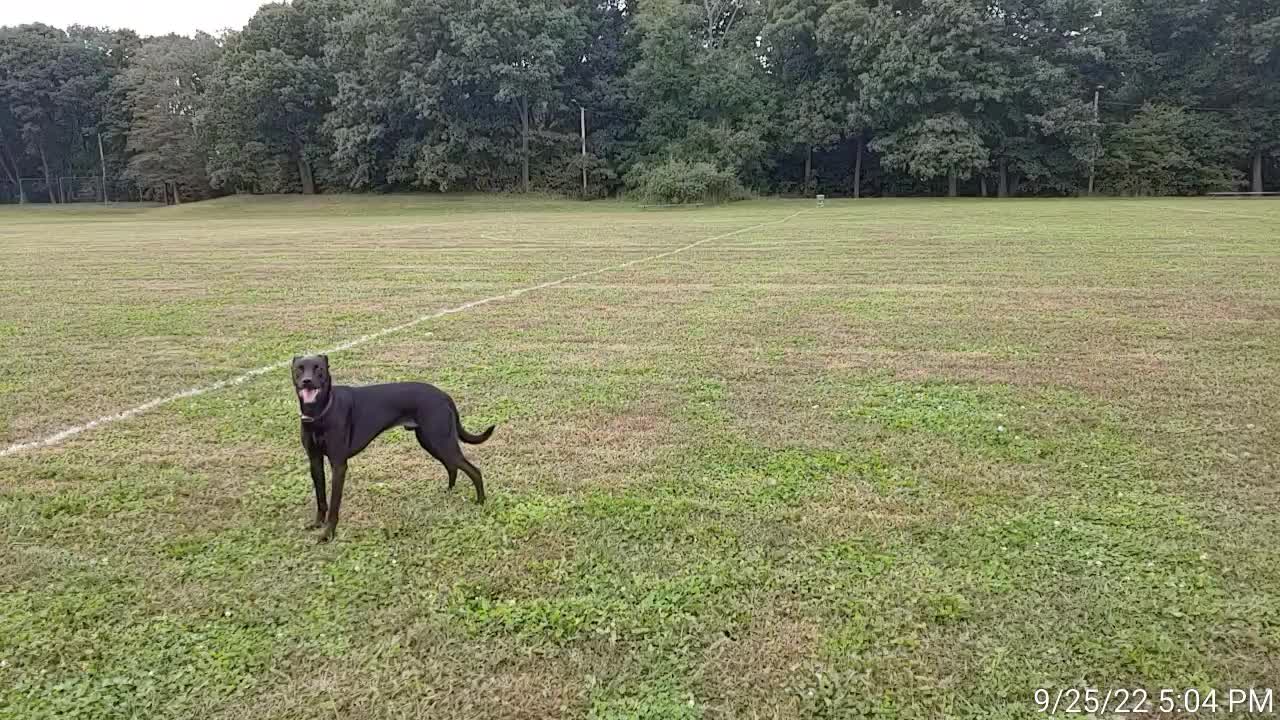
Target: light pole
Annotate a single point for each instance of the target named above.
(582, 128)
(1093, 152)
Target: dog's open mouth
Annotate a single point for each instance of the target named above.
(308, 395)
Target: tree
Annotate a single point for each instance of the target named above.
(1041, 130)
(167, 86)
(519, 52)
(810, 111)
(11, 145)
(1252, 86)
(597, 84)
(30, 73)
(846, 52)
(271, 93)
(934, 68)
(374, 128)
(51, 87)
(1165, 50)
(1167, 150)
(462, 137)
(1168, 56)
(936, 145)
(110, 111)
(487, 95)
(704, 92)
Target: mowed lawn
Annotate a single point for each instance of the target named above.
(883, 458)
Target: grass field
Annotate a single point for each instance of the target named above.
(884, 458)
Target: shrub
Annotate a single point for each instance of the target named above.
(677, 182)
(564, 177)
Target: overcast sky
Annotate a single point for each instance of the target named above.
(148, 17)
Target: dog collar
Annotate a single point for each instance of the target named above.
(327, 405)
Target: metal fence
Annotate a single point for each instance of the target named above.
(67, 189)
(81, 189)
(9, 192)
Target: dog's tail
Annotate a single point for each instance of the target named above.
(465, 436)
(474, 439)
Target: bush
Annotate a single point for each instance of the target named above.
(677, 182)
(563, 176)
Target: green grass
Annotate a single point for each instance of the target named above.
(909, 459)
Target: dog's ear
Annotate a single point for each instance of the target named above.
(325, 358)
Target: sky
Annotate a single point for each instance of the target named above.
(148, 17)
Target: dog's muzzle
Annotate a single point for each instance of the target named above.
(313, 395)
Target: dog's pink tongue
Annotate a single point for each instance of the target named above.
(308, 395)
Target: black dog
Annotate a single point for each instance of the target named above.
(339, 421)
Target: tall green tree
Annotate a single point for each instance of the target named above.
(936, 66)
(1165, 50)
(520, 52)
(378, 61)
(704, 91)
(1252, 85)
(1041, 130)
(810, 111)
(847, 53)
(1169, 150)
(463, 137)
(109, 114)
(1173, 75)
(596, 87)
(10, 168)
(167, 89)
(51, 87)
(270, 97)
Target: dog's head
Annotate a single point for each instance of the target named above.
(312, 382)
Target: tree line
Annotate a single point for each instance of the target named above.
(845, 97)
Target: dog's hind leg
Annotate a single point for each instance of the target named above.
(455, 459)
(451, 468)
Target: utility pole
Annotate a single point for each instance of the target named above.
(102, 158)
(1093, 152)
(582, 119)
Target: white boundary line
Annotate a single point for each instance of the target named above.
(61, 435)
(1216, 212)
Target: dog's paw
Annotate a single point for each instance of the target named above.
(325, 536)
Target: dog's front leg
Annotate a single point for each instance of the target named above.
(331, 521)
(317, 479)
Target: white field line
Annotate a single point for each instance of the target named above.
(74, 430)
(1218, 212)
